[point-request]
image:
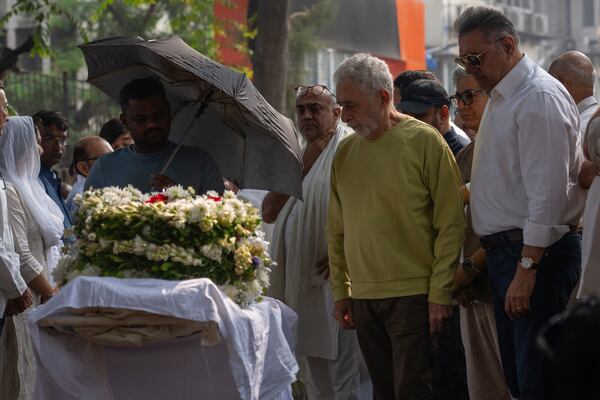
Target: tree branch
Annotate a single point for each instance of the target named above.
(119, 19)
(147, 17)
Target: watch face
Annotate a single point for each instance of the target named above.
(526, 262)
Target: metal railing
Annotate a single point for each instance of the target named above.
(85, 107)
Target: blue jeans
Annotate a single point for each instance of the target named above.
(558, 272)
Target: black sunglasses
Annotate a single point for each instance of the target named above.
(474, 60)
(465, 97)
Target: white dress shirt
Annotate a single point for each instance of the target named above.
(525, 157)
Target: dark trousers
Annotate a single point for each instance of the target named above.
(394, 339)
(557, 275)
(449, 364)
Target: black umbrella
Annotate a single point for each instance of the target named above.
(213, 107)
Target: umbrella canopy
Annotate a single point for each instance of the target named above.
(212, 107)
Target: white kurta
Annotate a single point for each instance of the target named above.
(299, 243)
(590, 254)
(11, 282)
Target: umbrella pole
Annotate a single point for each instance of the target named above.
(199, 112)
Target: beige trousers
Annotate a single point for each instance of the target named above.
(484, 369)
(343, 379)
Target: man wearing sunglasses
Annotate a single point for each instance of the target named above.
(86, 151)
(428, 101)
(523, 166)
(329, 356)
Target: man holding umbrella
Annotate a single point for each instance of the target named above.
(146, 114)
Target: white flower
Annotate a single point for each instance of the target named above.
(227, 227)
(212, 251)
(230, 291)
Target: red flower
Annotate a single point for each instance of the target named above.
(215, 198)
(157, 198)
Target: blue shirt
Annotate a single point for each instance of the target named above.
(52, 187)
(191, 166)
(455, 141)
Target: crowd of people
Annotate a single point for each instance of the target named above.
(442, 247)
(436, 237)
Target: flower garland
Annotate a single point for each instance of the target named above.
(171, 235)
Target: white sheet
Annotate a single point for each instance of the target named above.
(258, 340)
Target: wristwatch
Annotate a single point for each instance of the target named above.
(528, 263)
(469, 267)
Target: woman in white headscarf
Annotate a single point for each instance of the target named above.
(590, 252)
(37, 227)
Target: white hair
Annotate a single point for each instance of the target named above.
(369, 72)
(459, 74)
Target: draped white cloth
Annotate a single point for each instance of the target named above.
(299, 243)
(590, 252)
(257, 339)
(11, 282)
(20, 165)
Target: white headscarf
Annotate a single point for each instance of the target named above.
(20, 165)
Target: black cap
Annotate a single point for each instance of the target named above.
(422, 94)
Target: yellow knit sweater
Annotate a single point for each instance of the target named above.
(396, 221)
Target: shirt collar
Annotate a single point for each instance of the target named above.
(47, 172)
(585, 103)
(507, 86)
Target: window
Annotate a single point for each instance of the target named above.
(589, 13)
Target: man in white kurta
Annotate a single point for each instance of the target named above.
(329, 357)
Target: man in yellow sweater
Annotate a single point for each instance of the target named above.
(395, 229)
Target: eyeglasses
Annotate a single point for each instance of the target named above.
(53, 140)
(317, 90)
(465, 97)
(473, 60)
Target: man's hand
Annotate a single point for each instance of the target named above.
(519, 292)
(464, 297)
(160, 182)
(587, 174)
(438, 314)
(343, 313)
(230, 185)
(18, 304)
(322, 267)
(461, 279)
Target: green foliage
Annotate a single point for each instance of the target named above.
(60, 25)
